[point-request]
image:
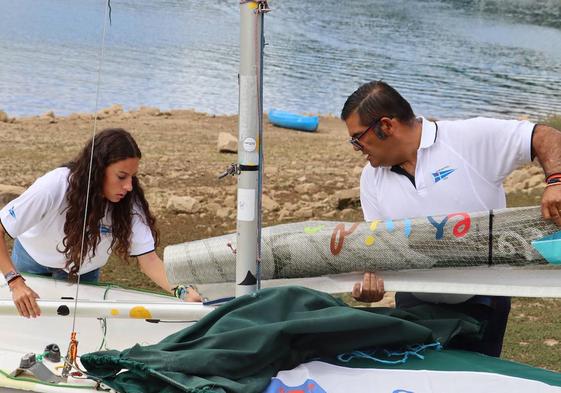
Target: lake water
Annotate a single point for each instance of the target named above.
(454, 58)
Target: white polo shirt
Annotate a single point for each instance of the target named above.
(36, 218)
(461, 166)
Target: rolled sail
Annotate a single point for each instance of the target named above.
(317, 248)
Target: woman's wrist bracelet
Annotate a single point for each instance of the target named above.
(180, 291)
(12, 276)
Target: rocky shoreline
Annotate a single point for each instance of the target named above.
(307, 175)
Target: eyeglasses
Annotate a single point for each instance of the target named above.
(355, 140)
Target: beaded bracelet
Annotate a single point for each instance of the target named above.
(180, 291)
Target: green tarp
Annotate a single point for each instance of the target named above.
(242, 344)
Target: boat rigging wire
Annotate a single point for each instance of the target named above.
(70, 358)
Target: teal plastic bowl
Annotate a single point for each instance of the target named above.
(549, 247)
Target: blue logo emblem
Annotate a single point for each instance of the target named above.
(104, 229)
(12, 212)
(442, 173)
(310, 386)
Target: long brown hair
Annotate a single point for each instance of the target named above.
(111, 145)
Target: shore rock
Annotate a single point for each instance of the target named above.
(306, 188)
(186, 204)
(305, 212)
(269, 204)
(4, 117)
(227, 143)
(113, 110)
(49, 117)
(148, 110)
(347, 198)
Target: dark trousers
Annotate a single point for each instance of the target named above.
(491, 311)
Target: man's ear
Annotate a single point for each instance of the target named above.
(384, 128)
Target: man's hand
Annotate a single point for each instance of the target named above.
(551, 204)
(370, 290)
(24, 299)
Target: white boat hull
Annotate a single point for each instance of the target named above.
(121, 330)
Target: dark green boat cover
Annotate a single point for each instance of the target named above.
(242, 344)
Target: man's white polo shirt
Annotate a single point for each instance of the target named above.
(461, 166)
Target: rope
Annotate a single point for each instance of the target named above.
(414, 350)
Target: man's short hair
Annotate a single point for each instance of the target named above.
(376, 99)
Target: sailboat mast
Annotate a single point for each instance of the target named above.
(250, 146)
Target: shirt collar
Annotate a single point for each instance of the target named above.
(428, 133)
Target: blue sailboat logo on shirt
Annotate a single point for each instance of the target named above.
(442, 173)
(12, 212)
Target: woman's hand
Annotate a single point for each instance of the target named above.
(370, 290)
(24, 299)
(192, 295)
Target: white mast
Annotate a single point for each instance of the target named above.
(250, 146)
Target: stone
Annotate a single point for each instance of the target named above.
(183, 204)
(212, 207)
(227, 143)
(291, 207)
(269, 204)
(284, 214)
(550, 342)
(320, 196)
(305, 212)
(223, 212)
(4, 117)
(8, 193)
(306, 188)
(115, 109)
(230, 201)
(347, 198)
(49, 116)
(347, 214)
(148, 110)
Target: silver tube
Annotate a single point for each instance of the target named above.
(249, 148)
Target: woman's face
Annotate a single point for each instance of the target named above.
(118, 179)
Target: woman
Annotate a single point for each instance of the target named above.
(47, 221)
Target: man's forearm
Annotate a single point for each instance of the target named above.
(546, 146)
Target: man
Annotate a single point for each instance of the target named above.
(418, 167)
